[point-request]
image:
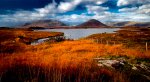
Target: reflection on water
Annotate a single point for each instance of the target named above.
(79, 33)
(39, 41)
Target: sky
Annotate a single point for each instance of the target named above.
(15, 12)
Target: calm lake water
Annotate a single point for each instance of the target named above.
(80, 33)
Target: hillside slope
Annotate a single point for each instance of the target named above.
(92, 23)
(44, 24)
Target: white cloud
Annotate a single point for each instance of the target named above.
(131, 2)
(96, 9)
(68, 6)
(98, 2)
(125, 2)
(26, 16)
(73, 18)
(141, 14)
(71, 5)
(65, 6)
(144, 9)
(128, 9)
(147, 6)
(49, 9)
(119, 17)
(88, 1)
(104, 17)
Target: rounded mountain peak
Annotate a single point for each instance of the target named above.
(93, 20)
(92, 23)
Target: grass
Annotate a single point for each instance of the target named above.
(25, 35)
(129, 37)
(67, 61)
(13, 39)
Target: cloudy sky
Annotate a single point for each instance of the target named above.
(14, 12)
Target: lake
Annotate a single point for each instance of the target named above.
(80, 33)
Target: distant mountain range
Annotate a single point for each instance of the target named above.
(44, 24)
(40, 24)
(130, 23)
(92, 23)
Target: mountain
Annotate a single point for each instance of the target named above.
(130, 23)
(44, 24)
(92, 23)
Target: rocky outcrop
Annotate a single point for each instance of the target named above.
(130, 67)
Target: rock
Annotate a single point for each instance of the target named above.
(116, 64)
(134, 68)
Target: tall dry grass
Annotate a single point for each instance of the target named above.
(69, 61)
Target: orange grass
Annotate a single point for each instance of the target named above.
(129, 37)
(13, 39)
(69, 61)
(16, 35)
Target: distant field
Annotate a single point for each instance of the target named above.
(11, 39)
(129, 37)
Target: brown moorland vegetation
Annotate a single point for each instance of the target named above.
(129, 37)
(71, 61)
(16, 39)
(25, 35)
